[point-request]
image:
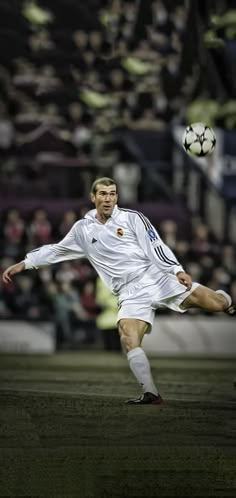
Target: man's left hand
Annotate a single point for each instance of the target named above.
(184, 279)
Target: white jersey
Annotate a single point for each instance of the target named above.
(123, 250)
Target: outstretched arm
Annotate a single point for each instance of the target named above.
(66, 249)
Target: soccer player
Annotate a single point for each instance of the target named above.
(132, 260)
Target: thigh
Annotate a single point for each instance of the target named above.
(199, 298)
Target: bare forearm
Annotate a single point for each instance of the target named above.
(17, 268)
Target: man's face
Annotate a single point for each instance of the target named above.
(105, 199)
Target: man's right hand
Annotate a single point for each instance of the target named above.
(11, 270)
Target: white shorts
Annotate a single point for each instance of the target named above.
(139, 300)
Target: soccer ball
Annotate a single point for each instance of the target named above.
(199, 139)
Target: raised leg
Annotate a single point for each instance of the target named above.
(207, 299)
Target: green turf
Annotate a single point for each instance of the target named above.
(65, 431)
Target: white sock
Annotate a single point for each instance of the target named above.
(140, 367)
(227, 296)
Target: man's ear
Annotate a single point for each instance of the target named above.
(92, 197)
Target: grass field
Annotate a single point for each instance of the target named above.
(65, 431)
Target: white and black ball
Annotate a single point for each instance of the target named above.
(199, 139)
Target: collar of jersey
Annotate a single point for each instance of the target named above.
(91, 215)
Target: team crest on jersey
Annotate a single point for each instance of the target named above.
(120, 232)
(152, 234)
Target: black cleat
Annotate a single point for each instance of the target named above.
(146, 399)
(231, 310)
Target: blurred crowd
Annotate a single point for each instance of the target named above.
(61, 70)
(72, 297)
(71, 84)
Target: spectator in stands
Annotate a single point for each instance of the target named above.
(67, 312)
(207, 262)
(65, 272)
(95, 41)
(80, 39)
(68, 220)
(8, 292)
(145, 52)
(82, 134)
(179, 18)
(106, 317)
(158, 41)
(4, 311)
(128, 176)
(168, 229)
(195, 269)
(40, 228)
(117, 79)
(25, 301)
(202, 241)
(228, 259)
(14, 232)
(83, 272)
(41, 41)
(6, 129)
(182, 250)
(88, 300)
(221, 278)
(129, 12)
(75, 113)
(88, 58)
(159, 14)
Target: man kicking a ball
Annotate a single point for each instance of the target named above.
(130, 257)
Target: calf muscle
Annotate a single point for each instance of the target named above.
(131, 332)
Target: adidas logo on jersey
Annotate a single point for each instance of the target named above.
(94, 240)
